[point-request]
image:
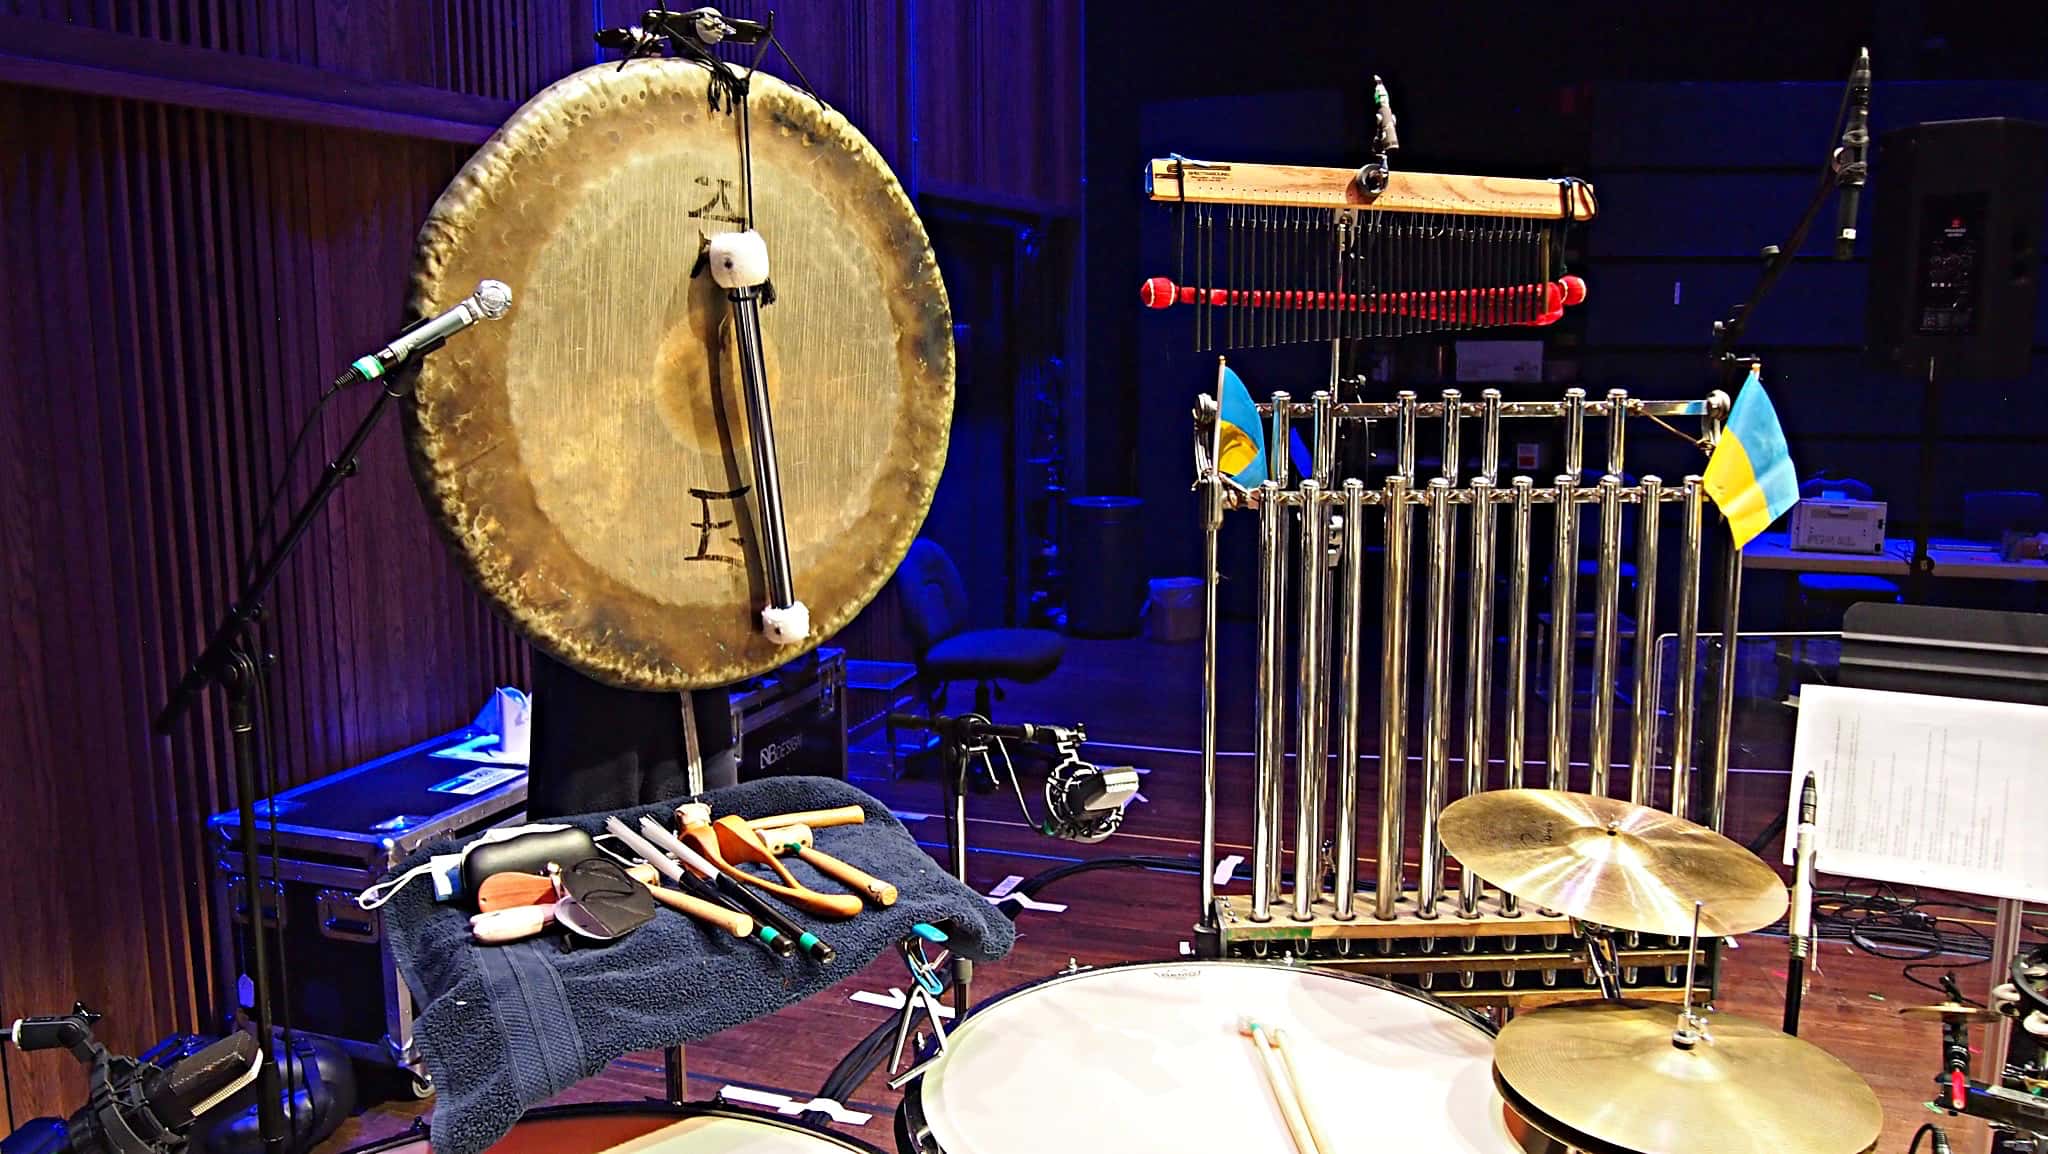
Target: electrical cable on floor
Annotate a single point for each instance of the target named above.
(1938, 1146)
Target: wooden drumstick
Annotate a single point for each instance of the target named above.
(733, 922)
(704, 839)
(1308, 1115)
(815, 818)
(798, 839)
(1282, 1087)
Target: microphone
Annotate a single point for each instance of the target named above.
(487, 303)
(1851, 159)
(1083, 803)
(1802, 872)
(707, 26)
(206, 1079)
(632, 40)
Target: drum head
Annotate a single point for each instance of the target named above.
(1148, 1058)
(588, 455)
(644, 1129)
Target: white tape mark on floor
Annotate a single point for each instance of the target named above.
(892, 999)
(1227, 867)
(789, 1107)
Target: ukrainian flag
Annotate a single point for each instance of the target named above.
(1750, 476)
(1240, 439)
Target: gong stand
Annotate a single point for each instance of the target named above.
(738, 262)
(229, 661)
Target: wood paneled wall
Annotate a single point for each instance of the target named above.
(206, 208)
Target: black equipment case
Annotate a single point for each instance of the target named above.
(335, 837)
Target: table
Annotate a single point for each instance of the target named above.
(1953, 559)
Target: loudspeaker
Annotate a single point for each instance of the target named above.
(1956, 220)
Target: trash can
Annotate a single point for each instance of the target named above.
(1174, 610)
(1105, 573)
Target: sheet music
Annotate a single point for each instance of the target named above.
(1922, 790)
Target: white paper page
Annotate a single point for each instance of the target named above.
(1922, 790)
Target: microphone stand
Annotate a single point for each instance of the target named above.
(228, 661)
(1731, 367)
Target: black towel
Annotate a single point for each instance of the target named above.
(502, 1028)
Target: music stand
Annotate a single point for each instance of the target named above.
(1982, 654)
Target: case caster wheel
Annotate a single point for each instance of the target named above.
(421, 1086)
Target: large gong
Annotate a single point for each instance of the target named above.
(588, 454)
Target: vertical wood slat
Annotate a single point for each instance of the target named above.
(205, 269)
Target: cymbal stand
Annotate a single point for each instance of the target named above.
(1692, 1028)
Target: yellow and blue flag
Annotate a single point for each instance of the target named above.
(1750, 476)
(1240, 439)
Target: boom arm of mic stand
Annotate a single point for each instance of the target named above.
(215, 662)
(226, 661)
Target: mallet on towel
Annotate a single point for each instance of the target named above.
(813, 946)
(709, 841)
(815, 818)
(797, 839)
(507, 891)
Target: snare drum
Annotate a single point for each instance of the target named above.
(1148, 1057)
(649, 1128)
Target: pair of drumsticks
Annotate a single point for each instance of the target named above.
(1285, 1081)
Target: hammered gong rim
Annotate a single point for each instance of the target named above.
(478, 477)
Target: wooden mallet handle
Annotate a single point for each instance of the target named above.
(797, 839)
(733, 922)
(815, 818)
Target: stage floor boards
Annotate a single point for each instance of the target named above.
(1141, 702)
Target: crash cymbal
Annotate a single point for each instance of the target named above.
(1967, 1013)
(1603, 860)
(1609, 1072)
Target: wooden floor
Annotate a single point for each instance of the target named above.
(1140, 701)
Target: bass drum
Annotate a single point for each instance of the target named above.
(643, 1128)
(1147, 1059)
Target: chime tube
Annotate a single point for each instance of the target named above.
(1574, 432)
(1686, 671)
(1452, 425)
(1404, 433)
(1724, 704)
(1309, 767)
(1478, 665)
(1393, 701)
(1643, 718)
(1350, 618)
(1517, 690)
(1436, 703)
(1212, 525)
(1324, 427)
(1271, 694)
(1489, 435)
(1564, 580)
(1606, 622)
(1278, 463)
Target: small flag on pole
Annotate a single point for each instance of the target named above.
(1750, 476)
(1240, 438)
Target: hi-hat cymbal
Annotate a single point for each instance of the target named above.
(1603, 860)
(1967, 1013)
(1609, 1072)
